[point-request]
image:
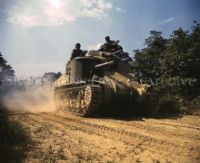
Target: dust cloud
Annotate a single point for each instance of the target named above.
(32, 99)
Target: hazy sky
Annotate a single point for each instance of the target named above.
(37, 36)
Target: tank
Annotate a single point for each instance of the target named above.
(103, 83)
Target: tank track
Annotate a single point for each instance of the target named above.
(88, 99)
(80, 99)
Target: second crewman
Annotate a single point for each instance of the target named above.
(77, 52)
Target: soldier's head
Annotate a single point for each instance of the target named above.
(107, 38)
(78, 46)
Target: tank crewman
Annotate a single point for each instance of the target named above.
(108, 41)
(77, 52)
(110, 45)
(107, 46)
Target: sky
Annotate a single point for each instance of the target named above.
(37, 36)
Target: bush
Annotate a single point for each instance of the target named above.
(168, 104)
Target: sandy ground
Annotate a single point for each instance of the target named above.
(63, 137)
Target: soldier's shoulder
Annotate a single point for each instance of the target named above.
(73, 51)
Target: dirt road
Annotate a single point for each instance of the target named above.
(63, 137)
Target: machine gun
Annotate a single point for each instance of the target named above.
(111, 59)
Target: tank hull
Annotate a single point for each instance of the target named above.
(89, 99)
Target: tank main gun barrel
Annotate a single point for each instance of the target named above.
(113, 53)
(104, 64)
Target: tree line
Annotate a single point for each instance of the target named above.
(171, 64)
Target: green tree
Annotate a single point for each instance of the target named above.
(6, 71)
(174, 59)
(193, 61)
(2, 61)
(176, 54)
(147, 61)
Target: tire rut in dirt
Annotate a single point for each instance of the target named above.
(131, 138)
